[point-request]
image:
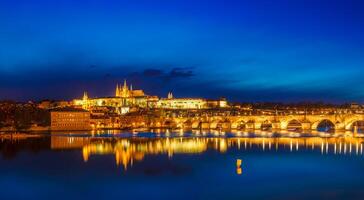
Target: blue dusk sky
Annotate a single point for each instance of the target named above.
(253, 50)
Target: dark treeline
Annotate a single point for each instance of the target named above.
(22, 116)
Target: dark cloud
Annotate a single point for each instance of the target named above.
(181, 72)
(166, 75)
(152, 72)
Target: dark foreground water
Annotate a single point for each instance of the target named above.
(181, 166)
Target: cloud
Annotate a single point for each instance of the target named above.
(152, 72)
(166, 75)
(185, 72)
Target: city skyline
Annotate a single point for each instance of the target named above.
(181, 99)
(243, 50)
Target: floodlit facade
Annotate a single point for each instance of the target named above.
(65, 119)
(126, 97)
(182, 103)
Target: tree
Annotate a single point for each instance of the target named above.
(22, 118)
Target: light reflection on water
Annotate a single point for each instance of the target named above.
(209, 165)
(128, 150)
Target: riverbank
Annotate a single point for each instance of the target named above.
(18, 136)
(31, 129)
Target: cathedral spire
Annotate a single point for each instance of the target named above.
(125, 85)
(124, 91)
(85, 102)
(117, 93)
(85, 96)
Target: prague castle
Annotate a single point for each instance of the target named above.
(126, 98)
(130, 108)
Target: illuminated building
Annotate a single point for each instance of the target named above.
(70, 119)
(47, 104)
(103, 117)
(104, 122)
(126, 97)
(182, 103)
(190, 103)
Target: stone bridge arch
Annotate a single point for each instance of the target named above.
(187, 124)
(327, 124)
(356, 127)
(294, 124)
(256, 122)
(251, 124)
(169, 123)
(266, 125)
(355, 124)
(238, 124)
(196, 124)
(155, 123)
(220, 124)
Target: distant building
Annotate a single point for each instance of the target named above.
(48, 104)
(104, 122)
(355, 105)
(190, 103)
(61, 104)
(182, 103)
(67, 118)
(221, 103)
(45, 104)
(126, 98)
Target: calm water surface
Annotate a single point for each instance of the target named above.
(181, 166)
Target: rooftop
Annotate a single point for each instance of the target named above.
(68, 109)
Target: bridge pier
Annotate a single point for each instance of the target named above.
(226, 125)
(257, 125)
(283, 125)
(205, 125)
(234, 125)
(306, 125)
(340, 126)
(187, 126)
(179, 125)
(276, 125)
(250, 125)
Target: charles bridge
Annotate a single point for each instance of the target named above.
(338, 121)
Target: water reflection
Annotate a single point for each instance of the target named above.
(239, 170)
(218, 165)
(129, 150)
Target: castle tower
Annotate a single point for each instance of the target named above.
(125, 90)
(120, 90)
(117, 91)
(125, 85)
(85, 96)
(131, 90)
(85, 101)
